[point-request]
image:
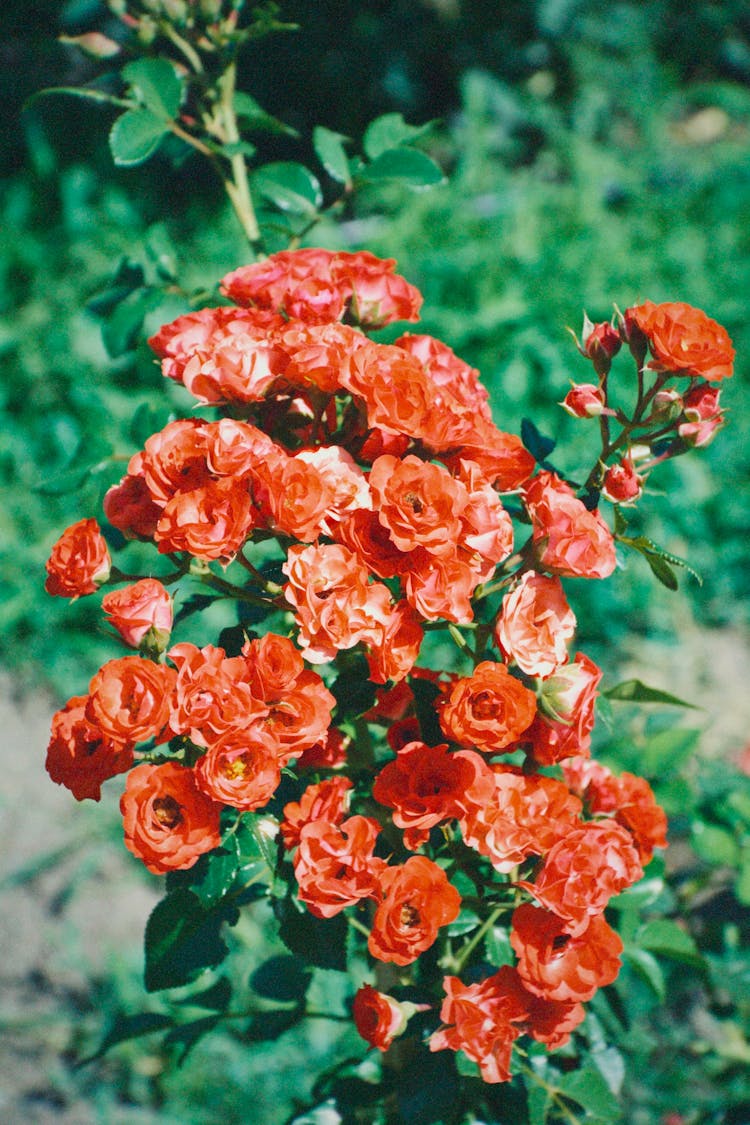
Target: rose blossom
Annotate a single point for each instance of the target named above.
(129, 698)
(79, 561)
(417, 901)
(489, 709)
(135, 610)
(571, 540)
(557, 966)
(535, 624)
(683, 339)
(79, 755)
(377, 1017)
(168, 822)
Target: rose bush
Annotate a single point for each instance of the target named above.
(352, 497)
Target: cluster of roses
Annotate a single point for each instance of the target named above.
(378, 470)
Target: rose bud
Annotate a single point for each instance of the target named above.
(585, 400)
(601, 342)
(622, 485)
(667, 404)
(698, 434)
(701, 403)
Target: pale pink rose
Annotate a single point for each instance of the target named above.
(535, 624)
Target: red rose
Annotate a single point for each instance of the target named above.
(571, 540)
(79, 561)
(378, 1018)
(129, 698)
(79, 755)
(135, 610)
(557, 966)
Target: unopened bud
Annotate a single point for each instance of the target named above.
(667, 404)
(622, 485)
(584, 400)
(698, 434)
(601, 343)
(701, 403)
(93, 44)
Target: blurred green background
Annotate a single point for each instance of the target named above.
(596, 153)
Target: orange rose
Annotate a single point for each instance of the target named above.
(417, 901)
(168, 822)
(240, 769)
(534, 625)
(210, 522)
(80, 756)
(489, 709)
(135, 610)
(129, 698)
(484, 1020)
(327, 801)
(79, 561)
(571, 540)
(426, 784)
(582, 871)
(683, 339)
(557, 966)
(335, 866)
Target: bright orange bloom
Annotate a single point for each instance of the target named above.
(134, 610)
(79, 561)
(683, 339)
(557, 966)
(417, 901)
(240, 769)
(327, 801)
(484, 1020)
(129, 698)
(489, 709)
(335, 866)
(168, 822)
(571, 540)
(534, 625)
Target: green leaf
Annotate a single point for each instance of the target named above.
(183, 938)
(257, 120)
(281, 978)
(587, 1087)
(636, 691)
(270, 1025)
(539, 1101)
(539, 445)
(648, 968)
(156, 84)
(216, 997)
(389, 132)
(121, 330)
(146, 421)
(666, 750)
(290, 187)
(408, 166)
(125, 1027)
(210, 878)
(128, 277)
(715, 845)
(659, 559)
(466, 921)
(330, 152)
(661, 569)
(135, 136)
(85, 92)
(186, 1035)
(664, 937)
(256, 847)
(316, 941)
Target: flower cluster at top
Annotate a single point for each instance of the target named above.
(378, 472)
